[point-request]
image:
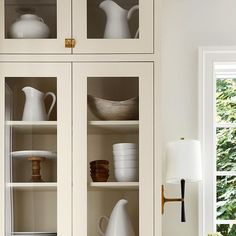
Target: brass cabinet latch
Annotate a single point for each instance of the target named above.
(69, 43)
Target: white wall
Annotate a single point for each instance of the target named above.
(186, 25)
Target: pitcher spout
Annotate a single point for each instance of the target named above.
(110, 7)
(31, 91)
(122, 202)
(119, 223)
(119, 208)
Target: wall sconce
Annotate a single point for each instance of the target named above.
(183, 164)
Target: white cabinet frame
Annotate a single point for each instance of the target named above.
(144, 71)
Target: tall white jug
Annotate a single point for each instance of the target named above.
(34, 109)
(117, 20)
(119, 223)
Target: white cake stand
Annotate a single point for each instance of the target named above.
(35, 156)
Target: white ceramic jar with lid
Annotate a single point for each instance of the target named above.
(29, 26)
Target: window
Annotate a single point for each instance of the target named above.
(218, 136)
(225, 153)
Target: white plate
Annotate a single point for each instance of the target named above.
(33, 153)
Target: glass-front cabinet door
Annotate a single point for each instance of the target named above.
(113, 26)
(35, 196)
(113, 149)
(34, 26)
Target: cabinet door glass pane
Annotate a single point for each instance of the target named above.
(113, 149)
(30, 19)
(112, 19)
(31, 156)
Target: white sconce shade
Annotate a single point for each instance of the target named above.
(183, 161)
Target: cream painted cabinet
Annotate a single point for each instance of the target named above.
(36, 155)
(93, 139)
(42, 26)
(45, 179)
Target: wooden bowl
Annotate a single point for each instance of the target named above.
(99, 170)
(97, 162)
(99, 177)
(114, 110)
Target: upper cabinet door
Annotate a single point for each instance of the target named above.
(34, 26)
(113, 26)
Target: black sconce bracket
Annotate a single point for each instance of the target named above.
(164, 200)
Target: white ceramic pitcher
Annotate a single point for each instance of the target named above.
(119, 223)
(34, 109)
(117, 20)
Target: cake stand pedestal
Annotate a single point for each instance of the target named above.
(36, 166)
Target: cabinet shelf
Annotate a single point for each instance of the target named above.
(113, 127)
(33, 186)
(113, 186)
(33, 127)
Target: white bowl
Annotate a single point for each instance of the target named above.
(126, 164)
(125, 157)
(126, 175)
(119, 146)
(122, 152)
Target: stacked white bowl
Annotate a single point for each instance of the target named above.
(126, 162)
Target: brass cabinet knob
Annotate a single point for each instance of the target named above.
(70, 43)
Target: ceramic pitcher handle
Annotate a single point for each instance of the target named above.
(129, 15)
(100, 230)
(53, 102)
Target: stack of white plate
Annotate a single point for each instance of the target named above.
(126, 163)
(34, 234)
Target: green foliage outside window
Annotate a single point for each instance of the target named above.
(226, 197)
(226, 100)
(227, 230)
(226, 149)
(226, 154)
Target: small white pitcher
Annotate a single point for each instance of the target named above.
(119, 223)
(34, 109)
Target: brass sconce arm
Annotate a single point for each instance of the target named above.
(164, 200)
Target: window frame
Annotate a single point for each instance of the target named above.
(212, 64)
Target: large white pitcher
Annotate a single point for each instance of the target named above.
(119, 223)
(34, 109)
(117, 20)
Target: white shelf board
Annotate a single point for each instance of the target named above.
(42, 186)
(113, 127)
(113, 185)
(33, 127)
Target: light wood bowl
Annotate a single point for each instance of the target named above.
(114, 110)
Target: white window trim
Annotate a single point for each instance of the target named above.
(208, 57)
